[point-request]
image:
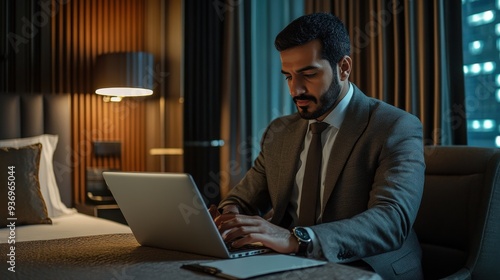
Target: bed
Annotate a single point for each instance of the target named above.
(28, 119)
(43, 237)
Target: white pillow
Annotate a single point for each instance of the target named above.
(48, 183)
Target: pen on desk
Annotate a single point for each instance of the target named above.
(201, 268)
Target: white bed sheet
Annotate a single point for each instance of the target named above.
(70, 225)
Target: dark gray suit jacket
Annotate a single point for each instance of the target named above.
(373, 187)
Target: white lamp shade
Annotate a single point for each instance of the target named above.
(124, 91)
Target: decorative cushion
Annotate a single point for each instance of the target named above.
(22, 203)
(48, 183)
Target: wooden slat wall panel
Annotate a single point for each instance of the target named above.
(81, 31)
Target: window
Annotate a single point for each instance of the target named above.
(481, 51)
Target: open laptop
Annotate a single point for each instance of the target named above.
(166, 210)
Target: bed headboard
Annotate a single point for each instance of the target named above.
(25, 115)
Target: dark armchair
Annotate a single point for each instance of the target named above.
(458, 223)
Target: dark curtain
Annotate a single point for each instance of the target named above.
(253, 88)
(25, 61)
(409, 54)
(236, 122)
(202, 94)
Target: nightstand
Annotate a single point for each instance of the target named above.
(106, 211)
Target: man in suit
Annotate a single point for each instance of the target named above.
(372, 172)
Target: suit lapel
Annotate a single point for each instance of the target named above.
(355, 122)
(289, 154)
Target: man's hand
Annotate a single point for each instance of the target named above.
(228, 209)
(214, 212)
(241, 230)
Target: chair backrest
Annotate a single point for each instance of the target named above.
(458, 223)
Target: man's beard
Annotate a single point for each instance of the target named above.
(325, 103)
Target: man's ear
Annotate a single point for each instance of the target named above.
(345, 65)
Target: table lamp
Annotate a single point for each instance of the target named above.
(123, 74)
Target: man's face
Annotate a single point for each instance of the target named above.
(314, 85)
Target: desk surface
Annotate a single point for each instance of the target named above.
(119, 256)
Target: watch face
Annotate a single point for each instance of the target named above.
(301, 233)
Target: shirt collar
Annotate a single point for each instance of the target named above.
(336, 117)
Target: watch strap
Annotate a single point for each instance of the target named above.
(302, 248)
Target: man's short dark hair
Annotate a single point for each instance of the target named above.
(329, 29)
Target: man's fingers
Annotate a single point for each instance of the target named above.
(228, 221)
(247, 239)
(239, 232)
